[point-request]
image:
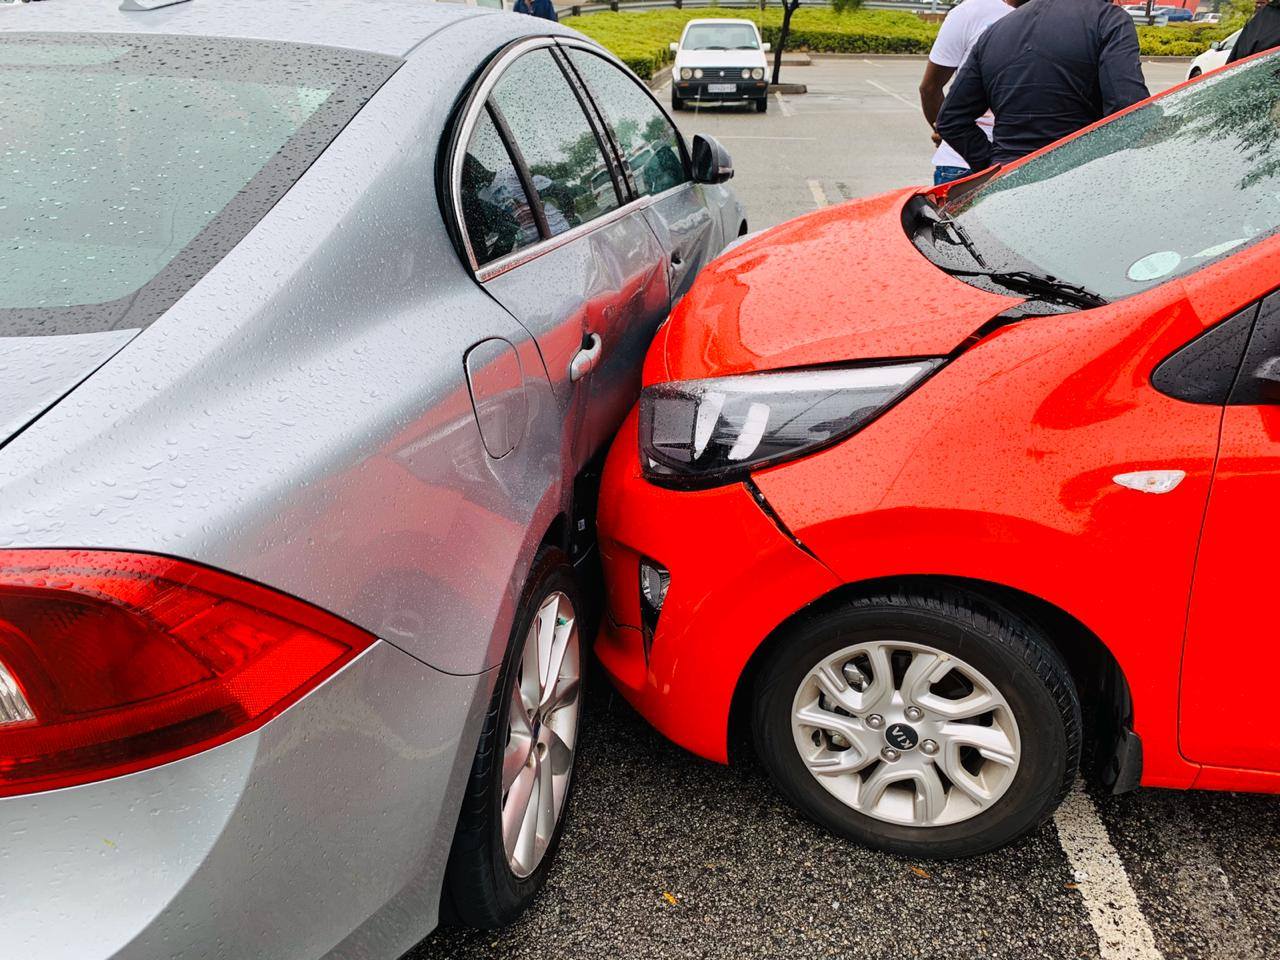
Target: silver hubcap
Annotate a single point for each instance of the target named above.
(905, 733)
(542, 734)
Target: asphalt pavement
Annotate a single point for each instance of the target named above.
(668, 856)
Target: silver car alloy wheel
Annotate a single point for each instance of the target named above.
(542, 734)
(905, 733)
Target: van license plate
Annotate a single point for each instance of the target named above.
(722, 88)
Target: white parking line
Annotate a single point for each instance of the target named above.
(897, 96)
(787, 109)
(1114, 911)
(819, 195)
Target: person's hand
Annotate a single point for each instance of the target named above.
(936, 137)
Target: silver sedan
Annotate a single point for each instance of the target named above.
(315, 320)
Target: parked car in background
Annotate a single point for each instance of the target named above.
(312, 329)
(720, 61)
(1213, 58)
(917, 529)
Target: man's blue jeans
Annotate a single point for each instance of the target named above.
(943, 175)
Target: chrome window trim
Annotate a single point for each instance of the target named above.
(475, 105)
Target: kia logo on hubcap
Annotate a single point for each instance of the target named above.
(901, 737)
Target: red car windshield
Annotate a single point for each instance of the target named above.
(1158, 192)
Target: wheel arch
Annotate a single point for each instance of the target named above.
(1113, 755)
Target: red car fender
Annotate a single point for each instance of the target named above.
(1001, 470)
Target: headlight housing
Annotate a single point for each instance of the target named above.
(686, 73)
(702, 433)
(758, 73)
(746, 73)
(697, 73)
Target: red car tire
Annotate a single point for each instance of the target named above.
(1022, 666)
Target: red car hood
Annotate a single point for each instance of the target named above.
(842, 283)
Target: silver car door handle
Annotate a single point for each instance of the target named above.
(585, 360)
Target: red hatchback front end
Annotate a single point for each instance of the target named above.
(921, 484)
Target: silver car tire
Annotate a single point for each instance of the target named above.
(518, 795)
(984, 711)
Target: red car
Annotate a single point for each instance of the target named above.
(927, 493)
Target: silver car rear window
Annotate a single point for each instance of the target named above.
(130, 165)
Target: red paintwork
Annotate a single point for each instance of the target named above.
(767, 303)
(999, 469)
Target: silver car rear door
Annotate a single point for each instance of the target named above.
(554, 236)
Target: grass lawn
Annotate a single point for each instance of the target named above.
(640, 39)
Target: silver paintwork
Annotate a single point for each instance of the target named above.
(542, 736)
(843, 730)
(342, 410)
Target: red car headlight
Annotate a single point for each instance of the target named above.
(710, 432)
(114, 662)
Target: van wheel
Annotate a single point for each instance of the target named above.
(924, 724)
(762, 105)
(514, 809)
(676, 102)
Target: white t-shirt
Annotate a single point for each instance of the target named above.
(956, 37)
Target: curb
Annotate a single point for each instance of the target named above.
(788, 88)
(659, 78)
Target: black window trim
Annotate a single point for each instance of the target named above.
(508, 141)
(458, 136)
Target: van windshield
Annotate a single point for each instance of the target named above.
(1156, 193)
(132, 164)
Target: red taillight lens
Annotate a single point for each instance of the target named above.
(114, 662)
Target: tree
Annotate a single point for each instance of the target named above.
(789, 8)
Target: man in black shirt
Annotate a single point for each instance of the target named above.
(1048, 69)
(1262, 32)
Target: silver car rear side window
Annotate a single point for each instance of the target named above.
(647, 140)
(557, 143)
(135, 163)
(495, 200)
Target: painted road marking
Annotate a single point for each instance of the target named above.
(787, 109)
(897, 96)
(819, 195)
(1113, 908)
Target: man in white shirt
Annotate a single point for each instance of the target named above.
(956, 37)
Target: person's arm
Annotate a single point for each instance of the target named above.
(932, 85)
(1119, 67)
(958, 118)
(944, 57)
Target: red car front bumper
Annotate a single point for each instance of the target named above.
(727, 593)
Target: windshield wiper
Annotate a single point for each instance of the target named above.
(946, 227)
(1039, 287)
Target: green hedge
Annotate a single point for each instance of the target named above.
(1183, 39)
(640, 39)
